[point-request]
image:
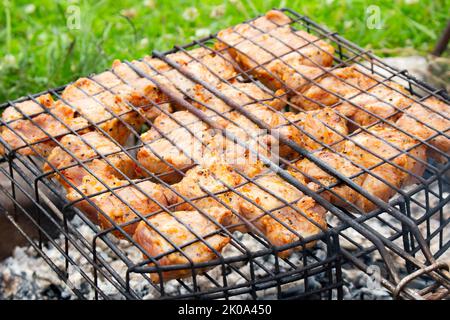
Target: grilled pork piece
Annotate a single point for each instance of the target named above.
(142, 92)
(429, 122)
(28, 108)
(381, 101)
(385, 143)
(86, 147)
(174, 141)
(107, 111)
(199, 182)
(240, 93)
(284, 224)
(110, 113)
(181, 148)
(345, 82)
(367, 98)
(370, 150)
(183, 229)
(320, 127)
(247, 200)
(181, 139)
(342, 195)
(119, 206)
(33, 137)
(268, 47)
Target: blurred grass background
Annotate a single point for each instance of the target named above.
(38, 50)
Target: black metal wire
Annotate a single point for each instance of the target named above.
(405, 227)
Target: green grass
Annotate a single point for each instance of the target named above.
(38, 50)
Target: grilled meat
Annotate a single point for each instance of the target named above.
(89, 146)
(243, 94)
(247, 200)
(24, 135)
(107, 111)
(380, 144)
(120, 206)
(370, 150)
(429, 122)
(181, 139)
(367, 98)
(341, 82)
(265, 46)
(217, 182)
(29, 108)
(320, 127)
(309, 173)
(142, 92)
(195, 234)
(381, 101)
(174, 141)
(194, 191)
(280, 211)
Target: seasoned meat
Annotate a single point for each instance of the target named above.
(218, 178)
(293, 75)
(91, 145)
(107, 111)
(194, 141)
(315, 123)
(140, 91)
(367, 97)
(222, 181)
(243, 94)
(201, 62)
(428, 123)
(118, 208)
(183, 229)
(174, 141)
(267, 44)
(381, 100)
(284, 224)
(182, 149)
(373, 149)
(342, 195)
(110, 113)
(28, 107)
(98, 87)
(342, 82)
(258, 142)
(108, 99)
(37, 133)
(169, 142)
(324, 126)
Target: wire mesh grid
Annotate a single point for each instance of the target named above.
(194, 80)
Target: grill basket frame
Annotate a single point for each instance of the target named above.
(404, 254)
